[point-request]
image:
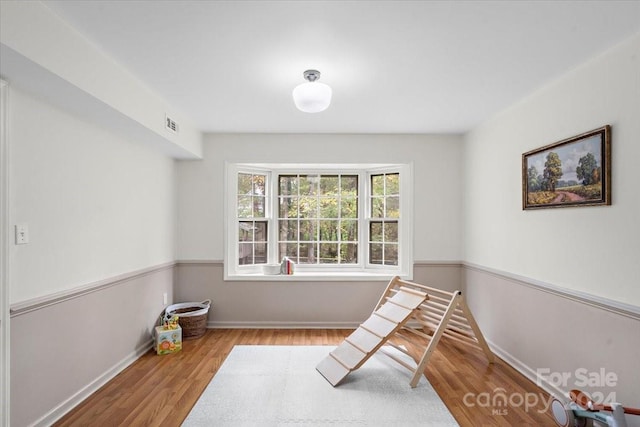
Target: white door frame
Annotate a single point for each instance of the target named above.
(5, 238)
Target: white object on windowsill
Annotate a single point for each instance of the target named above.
(271, 269)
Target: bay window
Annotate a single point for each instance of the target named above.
(332, 221)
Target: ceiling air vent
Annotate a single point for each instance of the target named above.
(170, 124)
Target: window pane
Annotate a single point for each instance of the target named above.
(377, 185)
(393, 207)
(245, 253)
(391, 232)
(288, 230)
(308, 230)
(308, 207)
(244, 207)
(348, 231)
(349, 184)
(252, 246)
(245, 231)
(307, 253)
(244, 184)
(375, 253)
(320, 203)
(348, 253)
(328, 253)
(377, 207)
(260, 256)
(329, 231)
(289, 250)
(391, 254)
(259, 185)
(308, 185)
(288, 207)
(375, 231)
(259, 206)
(385, 203)
(288, 185)
(392, 184)
(251, 196)
(349, 207)
(329, 185)
(328, 207)
(260, 231)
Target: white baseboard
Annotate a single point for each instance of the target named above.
(528, 372)
(282, 325)
(552, 389)
(63, 408)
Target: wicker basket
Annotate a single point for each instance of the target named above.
(192, 317)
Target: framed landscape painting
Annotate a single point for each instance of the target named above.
(572, 172)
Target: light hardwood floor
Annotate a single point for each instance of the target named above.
(161, 390)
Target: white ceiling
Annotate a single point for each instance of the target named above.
(394, 66)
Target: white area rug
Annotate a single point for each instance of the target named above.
(269, 386)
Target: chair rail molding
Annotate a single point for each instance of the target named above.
(616, 307)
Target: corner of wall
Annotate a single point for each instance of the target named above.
(82, 78)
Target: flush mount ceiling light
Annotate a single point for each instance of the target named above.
(312, 97)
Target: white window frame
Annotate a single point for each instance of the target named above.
(363, 270)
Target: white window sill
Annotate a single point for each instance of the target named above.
(316, 277)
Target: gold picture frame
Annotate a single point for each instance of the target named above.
(573, 172)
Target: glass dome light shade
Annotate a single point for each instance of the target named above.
(312, 97)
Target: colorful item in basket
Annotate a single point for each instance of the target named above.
(171, 322)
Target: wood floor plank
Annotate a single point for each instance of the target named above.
(161, 390)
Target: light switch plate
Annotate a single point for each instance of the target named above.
(22, 234)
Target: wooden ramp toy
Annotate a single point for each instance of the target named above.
(416, 314)
(371, 335)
